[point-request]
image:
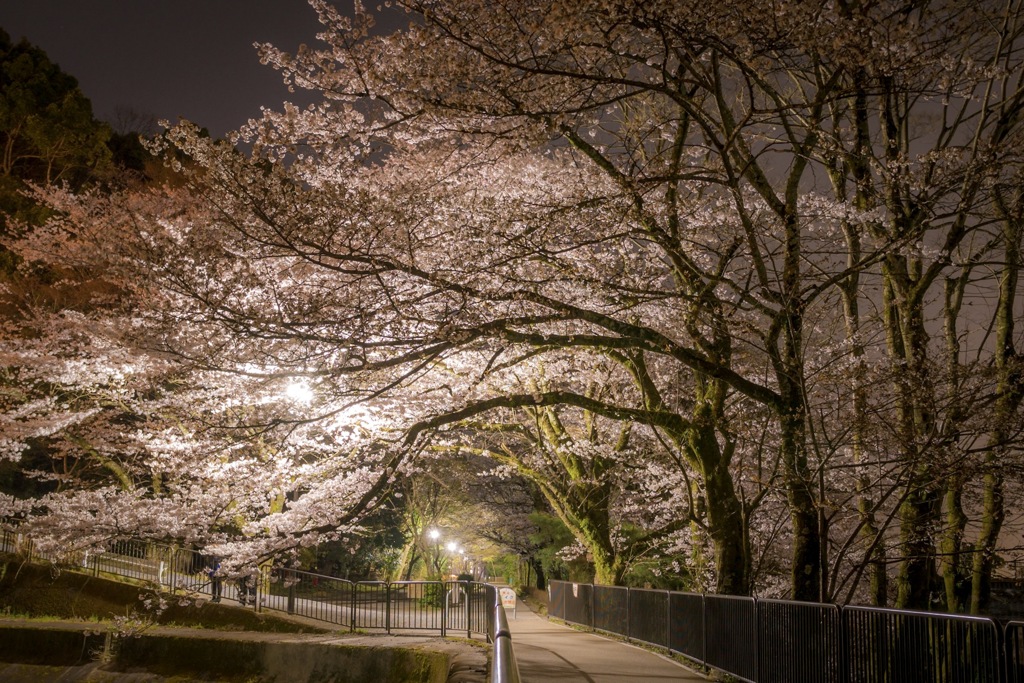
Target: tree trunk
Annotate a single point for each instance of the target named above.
(1010, 392)
(538, 568)
(850, 289)
(916, 580)
(952, 546)
(725, 521)
(920, 514)
(806, 575)
(992, 518)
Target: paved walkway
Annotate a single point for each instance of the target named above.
(547, 651)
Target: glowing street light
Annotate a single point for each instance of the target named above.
(300, 392)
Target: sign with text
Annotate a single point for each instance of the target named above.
(508, 597)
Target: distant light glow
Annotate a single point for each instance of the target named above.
(434, 534)
(452, 546)
(300, 392)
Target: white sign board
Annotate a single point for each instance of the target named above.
(508, 597)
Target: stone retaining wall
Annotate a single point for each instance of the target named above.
(215, 657)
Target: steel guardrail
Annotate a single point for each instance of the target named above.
(504, 668)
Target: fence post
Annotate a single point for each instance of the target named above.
(469, 612)
(291, 591)
(757, 640)
(704, 629)
(844, 650)
(387, 608)
(668, 621)
(443, 594)
(257, 594)
(355, 596)
(629, 610)
(258, 580)
(592, 591)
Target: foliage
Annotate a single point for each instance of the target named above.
(558, 552)
(46, 123)
(720, 288)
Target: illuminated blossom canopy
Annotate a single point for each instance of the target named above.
(703, 272)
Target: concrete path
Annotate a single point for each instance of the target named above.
(547, 651)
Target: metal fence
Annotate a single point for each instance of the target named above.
(1013, 643)
(441, 607)
(802, 642)
(730, 635)
(885, 645)
(778, 641)
(644, 608)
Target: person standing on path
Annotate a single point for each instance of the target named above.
(213, 571)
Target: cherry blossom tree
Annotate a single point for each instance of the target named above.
(701, 130)
(687, 267)
(142, 442)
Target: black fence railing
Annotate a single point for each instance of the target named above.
(444, 607)
(686, 624)
(1013, 643)
(801, 642)
(778, 641)
(885, 645)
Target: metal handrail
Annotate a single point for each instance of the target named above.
(504, 668)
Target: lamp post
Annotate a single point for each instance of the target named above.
(434, 552)
(452, 548)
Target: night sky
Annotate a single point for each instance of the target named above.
(182, 58)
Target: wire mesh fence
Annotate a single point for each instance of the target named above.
(761, 641)
(730, 635)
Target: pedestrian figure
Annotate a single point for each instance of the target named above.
(246, 590)
(213, 571)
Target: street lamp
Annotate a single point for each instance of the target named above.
(434, 551)
(300, 392)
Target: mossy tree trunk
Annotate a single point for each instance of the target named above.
(1009, 393)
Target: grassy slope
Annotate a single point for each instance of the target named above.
(39, 591)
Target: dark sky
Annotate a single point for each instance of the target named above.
(180, 58)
